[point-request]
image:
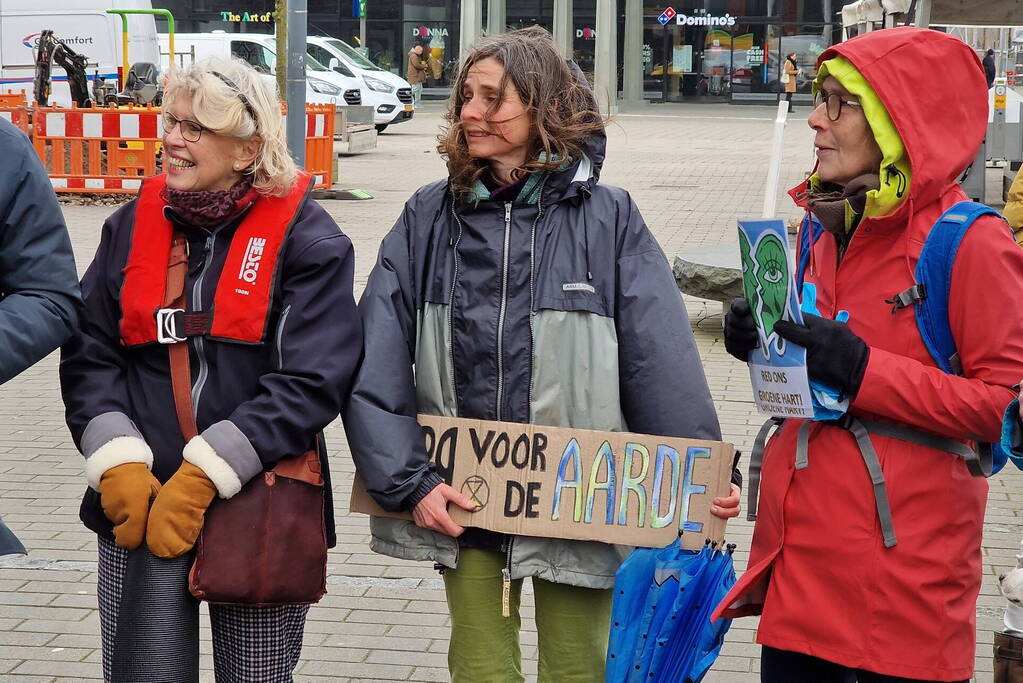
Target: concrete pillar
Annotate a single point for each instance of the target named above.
(923, 13)
(497, 16)
(470, 26)
(632, 77)
(564, 28)
(605, 62)
(1003, 51)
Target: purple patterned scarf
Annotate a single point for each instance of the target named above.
(209, 208)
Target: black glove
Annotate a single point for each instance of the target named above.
(740, 330)
(835, 356)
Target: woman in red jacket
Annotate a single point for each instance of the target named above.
(847, 589)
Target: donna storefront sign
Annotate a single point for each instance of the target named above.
(616, 487)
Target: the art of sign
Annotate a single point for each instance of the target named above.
(615, 487)
(777, 368)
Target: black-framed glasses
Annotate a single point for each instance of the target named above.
(833, 103)
(190, 130)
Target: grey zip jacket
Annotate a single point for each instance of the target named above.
(556, 309)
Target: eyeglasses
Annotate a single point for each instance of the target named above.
(190, 130)
(833, 104)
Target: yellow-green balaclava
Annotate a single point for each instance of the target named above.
(894, 171)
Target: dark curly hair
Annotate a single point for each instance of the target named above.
(561, 107)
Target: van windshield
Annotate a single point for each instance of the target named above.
(352, 54)
(314, 65)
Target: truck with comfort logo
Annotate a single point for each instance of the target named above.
(85, 27)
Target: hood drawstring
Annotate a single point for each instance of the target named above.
(893, 170)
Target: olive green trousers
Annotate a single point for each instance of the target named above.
(571, 623)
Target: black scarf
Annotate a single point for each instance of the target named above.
(829, 202)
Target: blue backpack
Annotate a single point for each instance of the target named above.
(929, 297)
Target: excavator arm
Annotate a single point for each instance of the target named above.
(52, 49)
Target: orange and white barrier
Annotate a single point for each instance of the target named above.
(97, 150)
(319, 143)
(14, 108)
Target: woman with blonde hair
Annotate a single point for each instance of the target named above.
(522, 289)
(272, 337)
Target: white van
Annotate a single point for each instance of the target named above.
(242, 46)
(257, 50)
(85, 27)
(389, 94)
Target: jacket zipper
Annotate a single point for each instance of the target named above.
(506, 578)
(451, 305)
(532, 301)
(502, 312)
(280, 334)
(196, 305)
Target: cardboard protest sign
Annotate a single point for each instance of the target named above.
(552, 482)
(777, 367)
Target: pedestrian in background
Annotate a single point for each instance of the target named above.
(520, 289)
(39, 294)
(790, 77)
(270, 369)
(417, 69)
(989, 67)
(866, 557)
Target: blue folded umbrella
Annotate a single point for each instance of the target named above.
(660, 617)
(9, 543)
(632, 583)
(692, 652)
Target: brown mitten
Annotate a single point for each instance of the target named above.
(125, 492)
(178, 512)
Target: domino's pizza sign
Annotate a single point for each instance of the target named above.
(666, 16)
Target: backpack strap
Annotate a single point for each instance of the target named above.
(934, 275)
(809, 232)
(934, 281)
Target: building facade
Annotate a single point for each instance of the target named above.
(693, 51)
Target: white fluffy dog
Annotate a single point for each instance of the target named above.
(1011, 585)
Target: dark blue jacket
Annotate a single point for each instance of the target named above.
(39, 295)
(255, 404)
(557, 309)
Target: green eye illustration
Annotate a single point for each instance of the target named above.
(773, 274)
(766, 282)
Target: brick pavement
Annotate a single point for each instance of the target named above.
(692, 171)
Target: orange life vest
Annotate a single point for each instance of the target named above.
(241, 304)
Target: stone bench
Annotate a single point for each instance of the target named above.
(710, 273)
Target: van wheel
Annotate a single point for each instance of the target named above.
(381, 127)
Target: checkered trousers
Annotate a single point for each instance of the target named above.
(250, 644)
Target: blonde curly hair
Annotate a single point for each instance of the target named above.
(219, 106)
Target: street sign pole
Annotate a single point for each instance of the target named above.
(362, 25)
(359, 12)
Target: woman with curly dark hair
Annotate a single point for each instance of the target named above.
(518, 289)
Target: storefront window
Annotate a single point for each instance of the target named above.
(720, 53)
(808, 47)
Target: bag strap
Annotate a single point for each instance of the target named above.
(304, 468)
(180, 368)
